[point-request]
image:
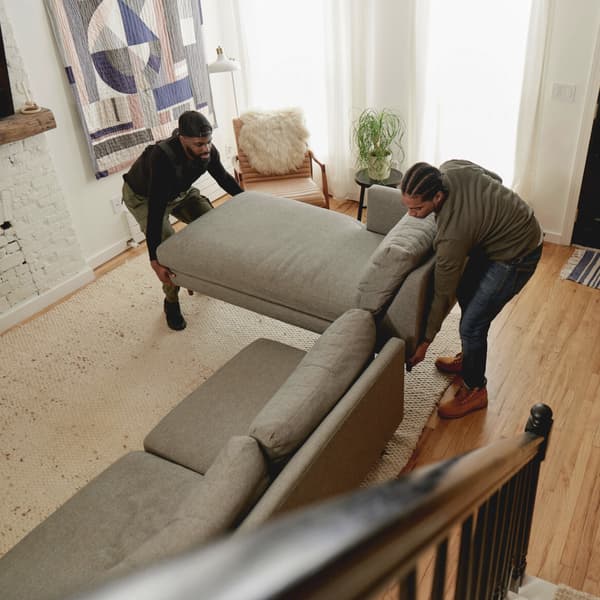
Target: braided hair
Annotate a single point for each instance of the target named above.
(424, 180)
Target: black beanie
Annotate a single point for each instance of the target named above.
(194, 124)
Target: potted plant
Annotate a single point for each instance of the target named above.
(378, 137)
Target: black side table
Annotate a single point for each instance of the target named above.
(365, 182)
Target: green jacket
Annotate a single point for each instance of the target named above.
(481, 214)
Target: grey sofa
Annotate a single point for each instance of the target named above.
(275, 428)
(306, 266)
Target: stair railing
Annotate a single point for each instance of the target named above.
(358, 545)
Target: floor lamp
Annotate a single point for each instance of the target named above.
(226, 65)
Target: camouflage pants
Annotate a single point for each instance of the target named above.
(186, 207)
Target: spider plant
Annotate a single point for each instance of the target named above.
(378, 135)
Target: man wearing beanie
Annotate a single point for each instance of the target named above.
(159, 184)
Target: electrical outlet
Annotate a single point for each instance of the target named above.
(117, 205)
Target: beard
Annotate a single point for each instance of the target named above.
(203, 162)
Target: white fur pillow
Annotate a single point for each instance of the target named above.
(275, 142)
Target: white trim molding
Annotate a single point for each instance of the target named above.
(30, 307)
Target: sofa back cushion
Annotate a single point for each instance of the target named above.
(231, 486)
(324, 374)
(403, 248)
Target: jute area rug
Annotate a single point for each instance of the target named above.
(82, 384)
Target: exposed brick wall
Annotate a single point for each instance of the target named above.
(38, 245)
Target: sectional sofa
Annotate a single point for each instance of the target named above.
(274, 429)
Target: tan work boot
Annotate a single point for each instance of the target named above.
(449, 364)
(462, 401)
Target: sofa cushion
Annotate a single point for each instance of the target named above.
(193, 433)
(140, 509)
(318, 382)
(230, 488)
(288, 253)
(403, 248)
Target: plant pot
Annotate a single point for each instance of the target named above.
(379, 167)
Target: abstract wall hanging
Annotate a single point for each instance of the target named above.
(134, 66)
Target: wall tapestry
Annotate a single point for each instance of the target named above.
(134, 66)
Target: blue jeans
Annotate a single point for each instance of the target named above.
(485, 287)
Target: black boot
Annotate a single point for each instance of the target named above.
(175, 319)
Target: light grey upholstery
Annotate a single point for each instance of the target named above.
(274, 249)
(316, 384)
(294, 262)
(384, 208)
(194, 432)
(347, 443)
(403, 249)
(140, 509)
(146, 507)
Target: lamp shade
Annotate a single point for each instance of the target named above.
(223, 64)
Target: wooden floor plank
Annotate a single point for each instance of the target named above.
(585, 524)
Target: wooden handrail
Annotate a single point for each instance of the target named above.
(351, 546)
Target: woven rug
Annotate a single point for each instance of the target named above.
(564, 592)
(583, 267)
(82, 384)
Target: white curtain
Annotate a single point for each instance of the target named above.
(305, 54)
(538, 37)
(453, 69)
(474, 56)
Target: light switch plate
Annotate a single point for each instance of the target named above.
(564, 92)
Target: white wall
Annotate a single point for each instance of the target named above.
(102, 234)
(100, 231)
(565, 128)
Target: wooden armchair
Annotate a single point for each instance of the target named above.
(297, 185)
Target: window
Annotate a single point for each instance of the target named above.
(474, 77)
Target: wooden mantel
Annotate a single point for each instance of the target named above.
(19, 126)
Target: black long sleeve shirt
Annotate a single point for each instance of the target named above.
(153, 175)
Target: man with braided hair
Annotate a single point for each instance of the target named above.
(159, 183)
(481, 220)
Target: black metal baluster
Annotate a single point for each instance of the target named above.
(408, 586)
(478, 542)
(439, 574)
(522, 538)
(502, 558)
(464, 569)
(539, 423)
(489, 540)
(516, 518)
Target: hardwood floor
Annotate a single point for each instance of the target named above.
(543, 347)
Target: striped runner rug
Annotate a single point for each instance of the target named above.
(583, 267)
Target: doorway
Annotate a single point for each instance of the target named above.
(586, 231)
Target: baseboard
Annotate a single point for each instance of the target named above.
(30, 307)
(105, 255)
(554, 238)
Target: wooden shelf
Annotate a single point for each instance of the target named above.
(19, 126)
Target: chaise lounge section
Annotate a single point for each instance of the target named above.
(307, 266)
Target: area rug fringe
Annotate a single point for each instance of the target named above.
(82, 384)
(564, 592)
